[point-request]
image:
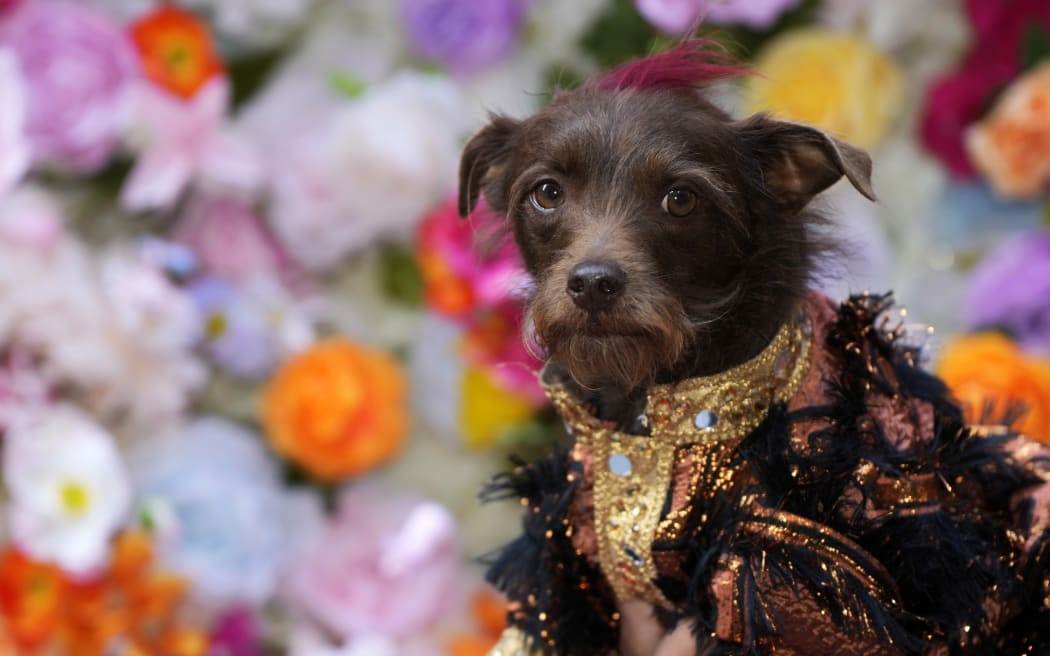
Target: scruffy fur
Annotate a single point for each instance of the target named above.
(703, 292)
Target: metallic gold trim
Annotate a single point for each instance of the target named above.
(513, 642)
(630, 492)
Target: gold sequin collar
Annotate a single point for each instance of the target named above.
(632, 473)
(722, 406)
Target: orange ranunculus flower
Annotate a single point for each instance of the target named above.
(44, 612)
(490, 614)
(177, 50)
(336, 409)
(987, 372)
(1012, 145)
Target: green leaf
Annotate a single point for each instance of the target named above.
(399, 275)
(1046, 214)
(1035, 45)
(347, 84)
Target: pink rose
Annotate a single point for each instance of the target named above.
(77, 64)
(230, 239)
(385, 565)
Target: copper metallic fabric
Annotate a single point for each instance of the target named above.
(822, 498)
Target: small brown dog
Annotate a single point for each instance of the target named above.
(747, 458)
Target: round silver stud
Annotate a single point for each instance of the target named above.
(705, 419)
(620, 464)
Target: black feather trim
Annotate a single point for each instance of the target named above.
(540, 570)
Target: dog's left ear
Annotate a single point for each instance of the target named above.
(799, 161)
(483, 155)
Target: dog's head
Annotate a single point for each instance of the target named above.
(661, 233)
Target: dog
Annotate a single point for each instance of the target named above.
(672, 249)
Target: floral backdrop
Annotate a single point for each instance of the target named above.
(254, 369)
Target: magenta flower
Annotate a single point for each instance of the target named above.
(1010, 289)
(463, 35)
(77, 65)
(385, 565)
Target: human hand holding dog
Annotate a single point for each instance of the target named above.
(642, 635)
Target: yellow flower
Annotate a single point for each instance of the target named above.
(987, 372)
(836, 82)
(337, 409)
(487, 410)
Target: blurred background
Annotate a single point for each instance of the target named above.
(254, 370)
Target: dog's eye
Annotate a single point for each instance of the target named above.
(679, 202)
(548, 195)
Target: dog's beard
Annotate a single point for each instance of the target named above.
(627, 347)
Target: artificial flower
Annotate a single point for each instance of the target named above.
(371, 170)
(487, 410)
(463, 35)
(250, 327)
(1010, 289)
(489, 613)
(679, 16)
(23, 389)
(94, 322)
(386, 565)
(958, 99)
(494, 340)
(466, 264)
(1011, 146)
(14, 148)
(68, 487)
(177, 50)
(128, 608)
(182, 141)
(29, 219)
(994, 380)
(254, 22)
(237, 633)
(230, 239)
(336, 409)
(222, 518)
(77, 66)
(835, 82)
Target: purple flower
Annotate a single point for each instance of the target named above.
(77, 64)
(248, 328)
(679, 16)
(463, 35)
(1010, 289)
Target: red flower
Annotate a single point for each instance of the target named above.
(177, 50)
(959, 99)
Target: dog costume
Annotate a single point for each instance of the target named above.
(825, 497)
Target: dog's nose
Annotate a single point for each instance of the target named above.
(594, 286)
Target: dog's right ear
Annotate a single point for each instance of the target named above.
(483, 156)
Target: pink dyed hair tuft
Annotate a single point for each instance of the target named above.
(689, 65)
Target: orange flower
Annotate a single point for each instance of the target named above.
(490, 613)
(42, 611)
(987, 372)
(336, 409)
(1012, 145)
(177, 50)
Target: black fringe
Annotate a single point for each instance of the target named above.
(945, 556)
(543, 574)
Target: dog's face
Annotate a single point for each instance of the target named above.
(642, 217)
